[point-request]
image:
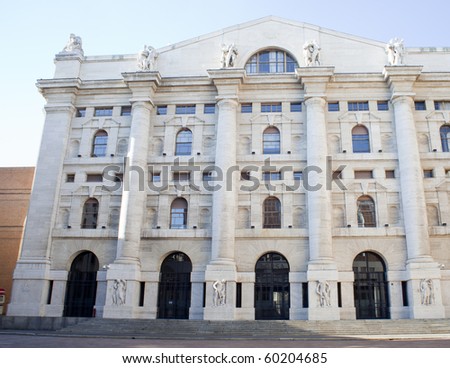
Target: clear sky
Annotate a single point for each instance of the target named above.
(33, 31)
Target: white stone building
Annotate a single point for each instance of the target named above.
(270, 170)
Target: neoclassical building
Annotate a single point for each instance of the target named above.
(270, 170)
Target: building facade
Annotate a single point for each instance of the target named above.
(15, 189)
(270, 170)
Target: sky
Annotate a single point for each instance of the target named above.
(33, 31)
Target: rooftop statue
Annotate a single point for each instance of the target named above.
(74, 45)
(311, 53)
(229, 55)
(146, 60)
(395, 51)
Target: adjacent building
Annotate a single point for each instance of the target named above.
(270, 170)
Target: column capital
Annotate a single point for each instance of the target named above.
(315, 79)
(227, 81)
(401, 79)
(142, 84)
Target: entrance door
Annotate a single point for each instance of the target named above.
(370, 287)
(81, 286)
(272, 287)
(174, 296)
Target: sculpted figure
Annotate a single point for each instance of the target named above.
(146, 59)
(360, 218)
(119, 292)
(229, 55)
(219, 287)
(311, 53)
(395, 51)
(324, 292)
(426, 291)
(74, 45)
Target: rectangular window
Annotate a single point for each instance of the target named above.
(358, 106)
(271, 107)
(337, 174)
(296, 107)
(185, 110)
(118, 178)
(245, 175)
(420, 105)
(442, 105)
(390, 174)
(161, 110)
(363, 174)
(298, 175)
(50, 292)
(70, 178)
(209, 109)
(207, 176)
(269, 176)
(81, 112)
(305, 299)
(427, 173)
(141, 293)
(339, 292)
(91, 178)
(383, 105)
(125, 111)
(156, 177)
(103, 111)
(238, 295)
(333, 106)
(181, 176)
(246, 108)
(405, 293)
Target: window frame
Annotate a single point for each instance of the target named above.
(272, 213)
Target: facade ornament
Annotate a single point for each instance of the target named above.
(426, 291)
(74, 45)
(395, 51)
(323, 291)
(146, 60)
(119, 292)
(311, 53)
(220, 293)
(229, 55)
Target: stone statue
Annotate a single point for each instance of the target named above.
(146, 60)
(119, 292)
(360, 217)
(323, 290)
(220, 292)
(74, 45)
(395, 51)
(229, 55)
(426, 291)
(311, 53)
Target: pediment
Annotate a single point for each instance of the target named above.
(358, 117)
(440, 116)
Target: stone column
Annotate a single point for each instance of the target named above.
(321, 267)
(222, 264)
(134, 196)
(30, 285)
(420, 265)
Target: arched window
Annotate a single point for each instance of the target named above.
(183, 145)
(366, 212)
(271, 61)
(360, 139)
(99, 144)
(272, 213)
(445, 137)
(90, 214)
(271, 141)
(178, 214)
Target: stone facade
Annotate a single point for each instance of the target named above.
(15, 189)
(186, 224)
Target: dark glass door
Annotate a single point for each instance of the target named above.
(272, 299)
(81, 286)
(174, 296)
(370, 287)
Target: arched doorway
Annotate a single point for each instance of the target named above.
(81, 286)
(370, 287)
(272, 300)
(174, 295)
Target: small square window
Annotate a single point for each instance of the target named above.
(246, 108)
(245, 175)
(81, 112)
(420, 105)
(118, 178)
(271, 107)
(103, 111)
(209, 109)
(298, 175)
(185, 109)
(70, 178)
(91, 178)
(125, 111)
(156, 177)
(390, 174)
(269, 176)
(363, 174)
(427, 174)
(383, 105)
(181, 176)
(333, 106)
(337, 174)
(296, 107)
(161, 110)
(358, 106)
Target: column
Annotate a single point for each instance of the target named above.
(322, 273)
(222, 265)
(134, 197)
(31, 275)
(420, 265)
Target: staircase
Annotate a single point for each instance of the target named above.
(189, 329)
